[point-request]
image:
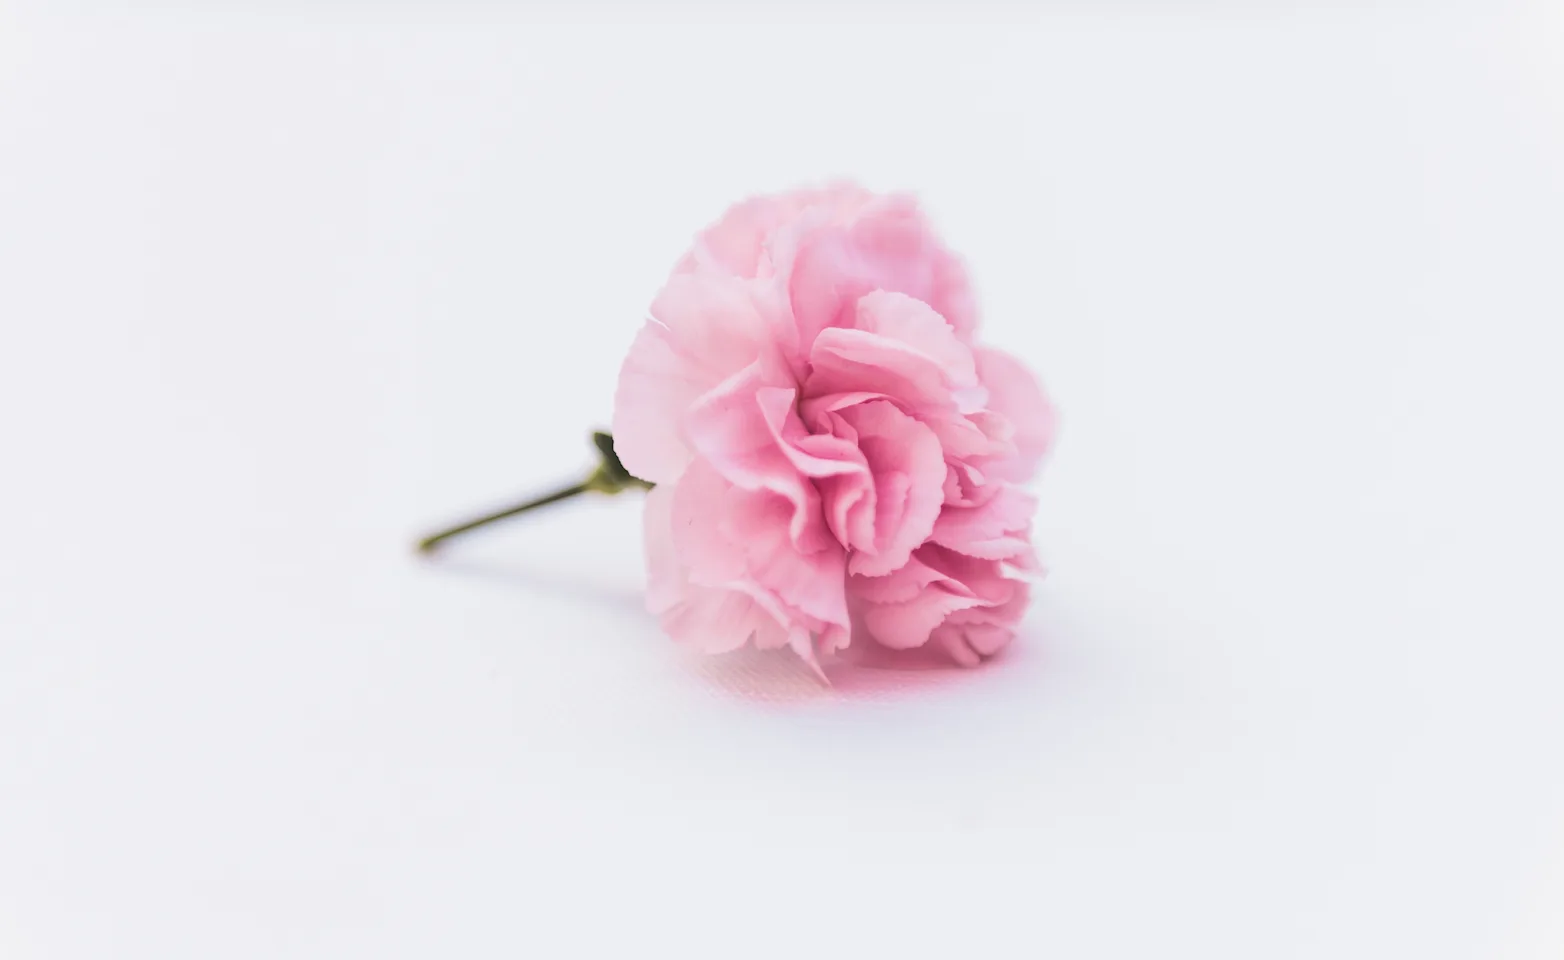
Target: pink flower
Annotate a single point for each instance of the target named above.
(834, 456)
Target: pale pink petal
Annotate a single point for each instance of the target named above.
(857, 361)
(888, 246)
(734, 244)
(915, 325)
(984, 578)
(717, 324)
(737, 244)
(900, 350)
(1015, 394)
(697, 516)
(701, 332)
(995, 529)
(812, 583)
(742, 539)
(716, 620)
(712, 617)
(656, 387)
(665, 575)
(962, 437)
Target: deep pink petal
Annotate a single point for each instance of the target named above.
(813, 455)
(750, 433)
(902, 626)
(899, 585)
(908, 469)
(955, 643)
(984, 630)
(731, 428)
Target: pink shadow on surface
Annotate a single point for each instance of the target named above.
(867, 674)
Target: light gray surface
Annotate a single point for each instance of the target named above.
(280, 290)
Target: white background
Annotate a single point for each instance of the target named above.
(280, 289)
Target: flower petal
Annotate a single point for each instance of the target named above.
(717, 620)
(1014, 394)
(899, 349)
(656, 387)
(702, 331)
(730, 536)
(889, 245)
(966, 605)
(908, 469)
(917, 326)
(830, 449)
(750, 433)
(902, 626)
(737, 243)
(665, 575)
(994, 529)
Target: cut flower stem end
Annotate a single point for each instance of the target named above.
(609, 477)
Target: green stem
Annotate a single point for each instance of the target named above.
(610, 477)
(428, 544)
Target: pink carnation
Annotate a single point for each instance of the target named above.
(834, 456)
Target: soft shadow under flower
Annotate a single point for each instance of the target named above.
(859, 675)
